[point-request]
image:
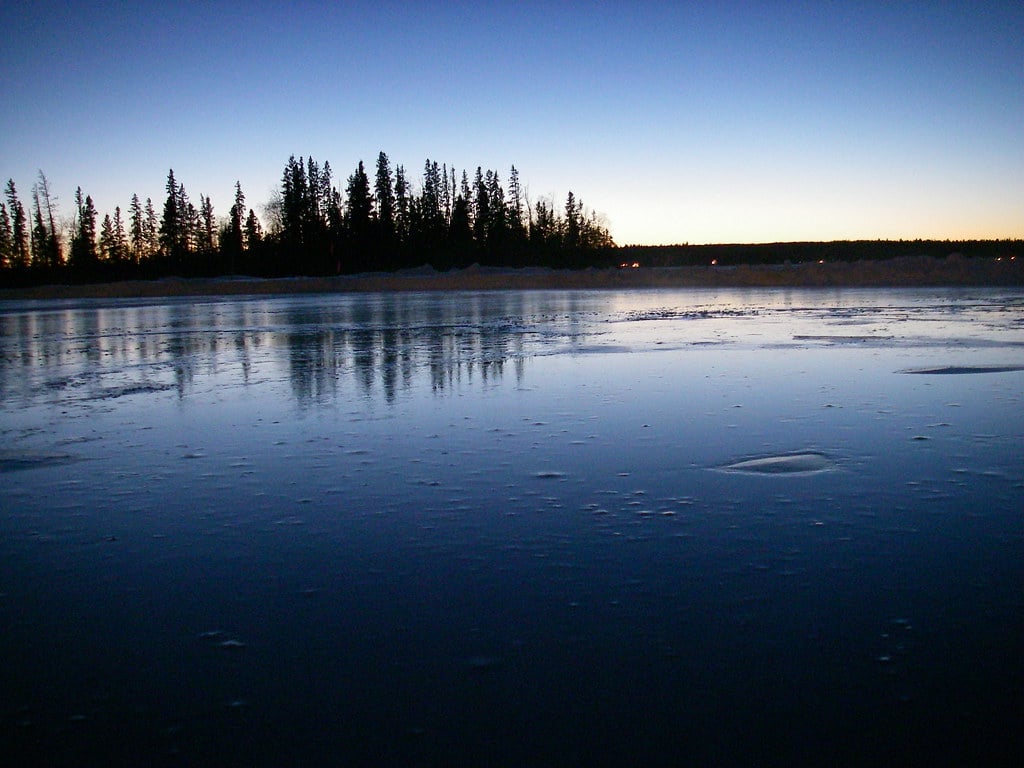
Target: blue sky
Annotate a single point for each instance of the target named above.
(702, 122)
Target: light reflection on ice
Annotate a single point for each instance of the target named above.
(383, 343)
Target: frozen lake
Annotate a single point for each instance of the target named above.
(658, 527)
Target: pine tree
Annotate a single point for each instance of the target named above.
(108, 250)
(6, 238)
(19, 228)
(151, 230)
(120, 241)
(515, 205)
(385, 197)
(496, 204)
(234, 243)
(83, 242)
(571, 229)
(170, 224)
(313, 180)
(189, 223)
(40, 235)
(445, 197)
(294, 204)
(460, 233)
(207, 226)
(136, 230)
(335, 217)
(481, 209)
(402, 212)
(430, 200)
(544, 233)
(237, 244)
(327, 191)
(253, 230)
(89, 228)
(358, 215)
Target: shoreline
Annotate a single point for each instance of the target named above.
(920, 271)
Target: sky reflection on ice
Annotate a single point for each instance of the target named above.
(475, 513)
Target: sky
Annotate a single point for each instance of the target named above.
(679, 122)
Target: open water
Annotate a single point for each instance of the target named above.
(719, 527)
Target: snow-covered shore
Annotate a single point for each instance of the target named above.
(912, 271)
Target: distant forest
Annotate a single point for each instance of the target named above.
(808, 252)
(309, 227)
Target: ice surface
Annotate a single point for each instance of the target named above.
(378, 494)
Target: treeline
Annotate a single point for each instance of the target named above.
(309, 227)
(806, 252)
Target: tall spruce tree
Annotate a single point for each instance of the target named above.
(108, 250)
(402, 205)
(151, 230)
(84, 255)
(120, 240)
(190, 222)
(481, 209)
(326, 192)
(171, 234)
(19, 228)
(253, 230)
(40, 234)
(460, 233)
(294, 205)
(207, 226)
(431, 200)
(384, 194)
(358, 218)
(235, 245)
(497, 226)
(136, 230)
(515, 204)
(571, 228)
(6, 238)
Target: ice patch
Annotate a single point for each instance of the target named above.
(785, 464)
(14, 462)
(842, 339)
(958, 369)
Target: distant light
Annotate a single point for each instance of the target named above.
(821, 261)
(714, 262)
